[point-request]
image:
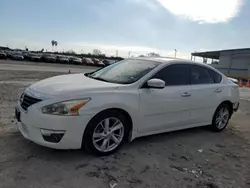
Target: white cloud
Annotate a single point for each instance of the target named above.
(123, 50)
(108, 49)
(211, 11)
(147, 3)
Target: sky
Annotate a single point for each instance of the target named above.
(123, 26)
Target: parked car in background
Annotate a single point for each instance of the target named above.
(100, 64)
(132, 98)
(76, 60)
(33, 57)
(48, 58)
(108, 62)
(62, 59)
(8, 53)
(88, 61)
(3, 55)
(16, 56)
(25, 54)
(96, 61)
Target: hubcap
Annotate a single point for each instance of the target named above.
(222, 118)
(108, 134)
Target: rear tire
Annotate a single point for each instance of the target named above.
(221, 118)
(105, 133)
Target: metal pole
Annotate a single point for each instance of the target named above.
(230, 63)
(129, 54)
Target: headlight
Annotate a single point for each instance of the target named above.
(66, 108)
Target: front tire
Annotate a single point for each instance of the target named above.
(221, 118)
(105, 133)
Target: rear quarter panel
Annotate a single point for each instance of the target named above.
(230, 91)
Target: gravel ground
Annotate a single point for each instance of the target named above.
(190, 158)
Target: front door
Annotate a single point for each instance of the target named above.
(168, 107)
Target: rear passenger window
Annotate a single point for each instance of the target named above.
(174, 75)
(217, 77)
(201, 75)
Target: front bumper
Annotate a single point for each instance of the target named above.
(34, 121)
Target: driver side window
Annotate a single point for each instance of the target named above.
(174, 75)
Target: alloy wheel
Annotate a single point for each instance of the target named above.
(108, 134)
(222, 118)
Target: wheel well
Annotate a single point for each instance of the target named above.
(127, 116)
(230, 104)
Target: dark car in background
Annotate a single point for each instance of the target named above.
(100, 64)
(8, 53)
(48, 58)
(95, 60)
(62, 59)
(76, 60)
(87, 61)
(33, 57)
(25, 54)
(108, 62)
(16, 55)
(3, 55)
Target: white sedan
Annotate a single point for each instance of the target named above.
(129, 99)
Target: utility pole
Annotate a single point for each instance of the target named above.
(175, 53)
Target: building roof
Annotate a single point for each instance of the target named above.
(215, 54)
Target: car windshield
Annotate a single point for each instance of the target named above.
(125, 72)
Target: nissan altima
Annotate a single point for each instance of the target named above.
(137, 97)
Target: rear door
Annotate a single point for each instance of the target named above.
(206, 94)
(168, 107)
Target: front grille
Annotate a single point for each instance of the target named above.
(28, 101)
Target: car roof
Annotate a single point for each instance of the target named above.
(167, 60)
(158, 59)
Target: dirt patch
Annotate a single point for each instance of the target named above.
(191, 158)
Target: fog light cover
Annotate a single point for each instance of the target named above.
(52, 135)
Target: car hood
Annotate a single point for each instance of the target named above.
(73, 84)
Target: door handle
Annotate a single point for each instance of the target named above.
(218, 90)
(186, 94)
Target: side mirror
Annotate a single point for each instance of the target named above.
(156, 83)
